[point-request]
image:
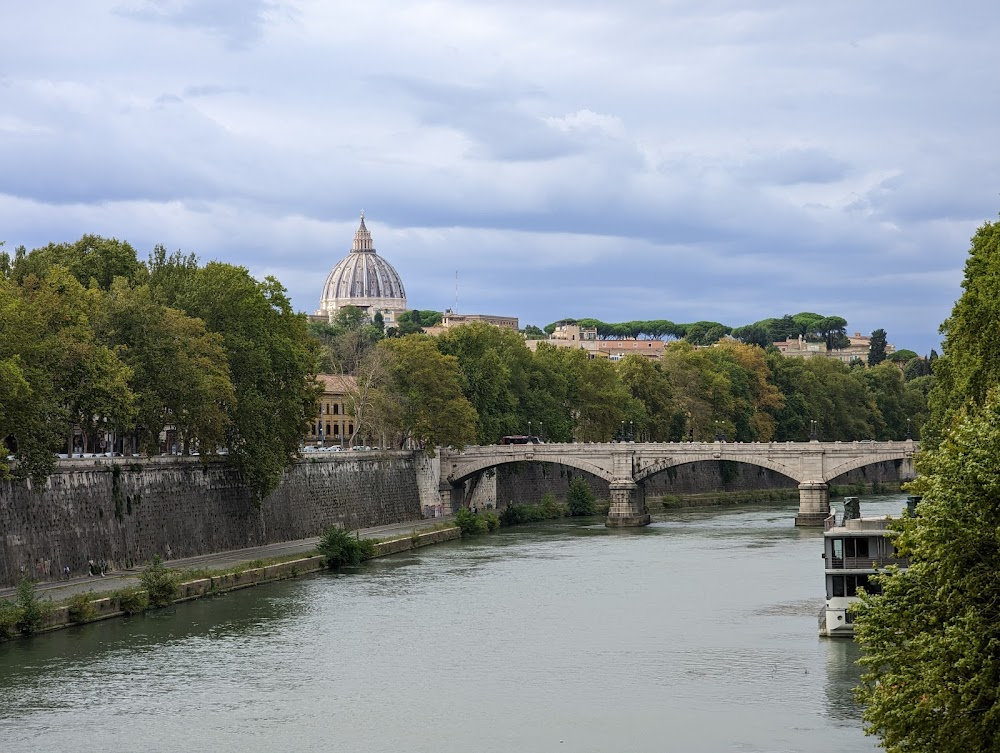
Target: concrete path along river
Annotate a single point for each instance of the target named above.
(696, 634)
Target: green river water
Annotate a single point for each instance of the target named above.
(698, 633)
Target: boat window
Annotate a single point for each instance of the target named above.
(857, 547)
(838, 585)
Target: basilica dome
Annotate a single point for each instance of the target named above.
(365, 280)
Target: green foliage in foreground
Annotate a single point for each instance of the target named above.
(341, 547)
(931, 640)
(159, 582)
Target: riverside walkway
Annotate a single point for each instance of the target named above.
(119, 579)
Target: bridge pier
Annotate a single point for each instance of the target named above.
(452, 496)
(814, 503)
(628, 505)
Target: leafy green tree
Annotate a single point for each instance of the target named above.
(876, 347)
(92, 258)
(833, 330)
(422, 397)
(917, 367)
(659, 420)
(753, 334)
(505, 384)
(180, 372)
(902, 356)
(970, 364)
(531, 332)
(61, 374)
(272, 362)
(932, 668)
(825, 391)
(885, 384)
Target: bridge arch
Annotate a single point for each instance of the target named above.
(850, 465)
(472, 467)
(662, 465)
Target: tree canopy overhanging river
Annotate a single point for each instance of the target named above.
(698, 633)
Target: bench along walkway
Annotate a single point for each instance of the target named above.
(120, 579)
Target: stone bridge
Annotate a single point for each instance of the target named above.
(627, 465)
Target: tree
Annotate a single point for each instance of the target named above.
(531, 332)
(930, 640)
(970, 364)
(272, 362)
(876, 347)
(60, 374)
(903, 356)
(753, 334)
(832, 329)
(92, 258)
(659, 420)
(180, 372)
(422, 398)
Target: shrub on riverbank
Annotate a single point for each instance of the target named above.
(81, 608)
(132, 600)
(580, 498)
(341, 548)
(547, 509)
(26, 614)
(159, 582)
(475, 524)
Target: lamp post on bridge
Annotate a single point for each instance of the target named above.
(813, 431)
(529, 429)
(541, 432)
(909, 433)
(631, 431)
(621, 433)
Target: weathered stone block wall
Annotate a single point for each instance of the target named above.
(125, 511)
(527, 482)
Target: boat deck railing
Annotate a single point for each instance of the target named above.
(866, 563)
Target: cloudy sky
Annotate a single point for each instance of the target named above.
(680, 159)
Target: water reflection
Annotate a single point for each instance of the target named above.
(842, 675)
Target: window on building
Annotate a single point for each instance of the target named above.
(848, 585)
(350, 428)
(856, 547)
(336, 409)
(336, 430)
(328, 429)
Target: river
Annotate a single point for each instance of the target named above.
(697, 633)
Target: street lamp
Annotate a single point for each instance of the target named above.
(813, 431)
(631, 431)
(909, 433)
(541, 432)
(621, 433)
(529, 428)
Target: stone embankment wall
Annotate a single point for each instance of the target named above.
(125, 510)
(527, 482)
